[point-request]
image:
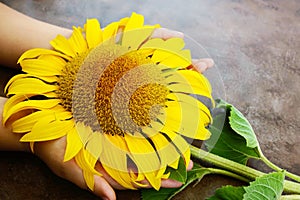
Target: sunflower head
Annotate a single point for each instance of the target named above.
(119, 96)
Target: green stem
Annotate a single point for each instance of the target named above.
(290, 197)
(243, 170)
(228, 173)
(276, 168)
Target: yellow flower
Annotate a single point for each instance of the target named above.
(119, 96)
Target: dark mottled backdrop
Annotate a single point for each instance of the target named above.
(256, 48)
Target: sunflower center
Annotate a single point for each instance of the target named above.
(66, 81)
(127, 96)
(146, 102)
(113, 91)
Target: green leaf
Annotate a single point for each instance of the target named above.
(179, 174)
(267, 187)
(231, 134)
(241, 125)
(162, 194)
(228, 193)
(197, 173)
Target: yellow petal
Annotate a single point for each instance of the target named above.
(174, 164)
(178, 116)
(93, 33)
(197, 80)
(74, 145)
(153, 180)
(77, 41)
(94, 145)
(153, 128)
(110, 30)
(166, 176)
(34, 53)
(40, 67)
(133, 39)
(146, 158)
(171, 152)
(182, 59)
(137, 178)
(27, 105)
(161, 172)
(184, 81)
(169, 52)
(166, 150)
(51, 95)
(89, 180)
(48, 128)
(135, 33)
(58, 62)
(84, 132)
(16, 77)
(47, 79)
(135, 21)
(182, 146)
(190, 101)
(30, 86)
(140, 185)
(172, 121)
(60, 43)
(123, 21)
(26, 123)
(116, 156)
(123, 178)
(12, 101)
(179, 143)
(172, 44)
(114, 159)
(187, 156)
(87, 163)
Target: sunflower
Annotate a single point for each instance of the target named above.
(119, 96)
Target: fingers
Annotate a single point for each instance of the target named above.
(101, 188)
(166, 183)
(107, 177)
(165, 34)
(169, 183)
(52, 153)
(201, 65)
(190, 166)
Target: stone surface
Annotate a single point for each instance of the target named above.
(256, 48)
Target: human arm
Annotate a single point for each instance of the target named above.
(20, 32)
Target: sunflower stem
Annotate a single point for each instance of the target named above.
(242, 170)
(228, 173)
(276, 168)
(289, 197)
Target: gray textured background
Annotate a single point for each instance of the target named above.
(255, 45)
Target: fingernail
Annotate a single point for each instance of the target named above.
(177, 34)
(200, 66)
(190, 165)
(210, 62)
